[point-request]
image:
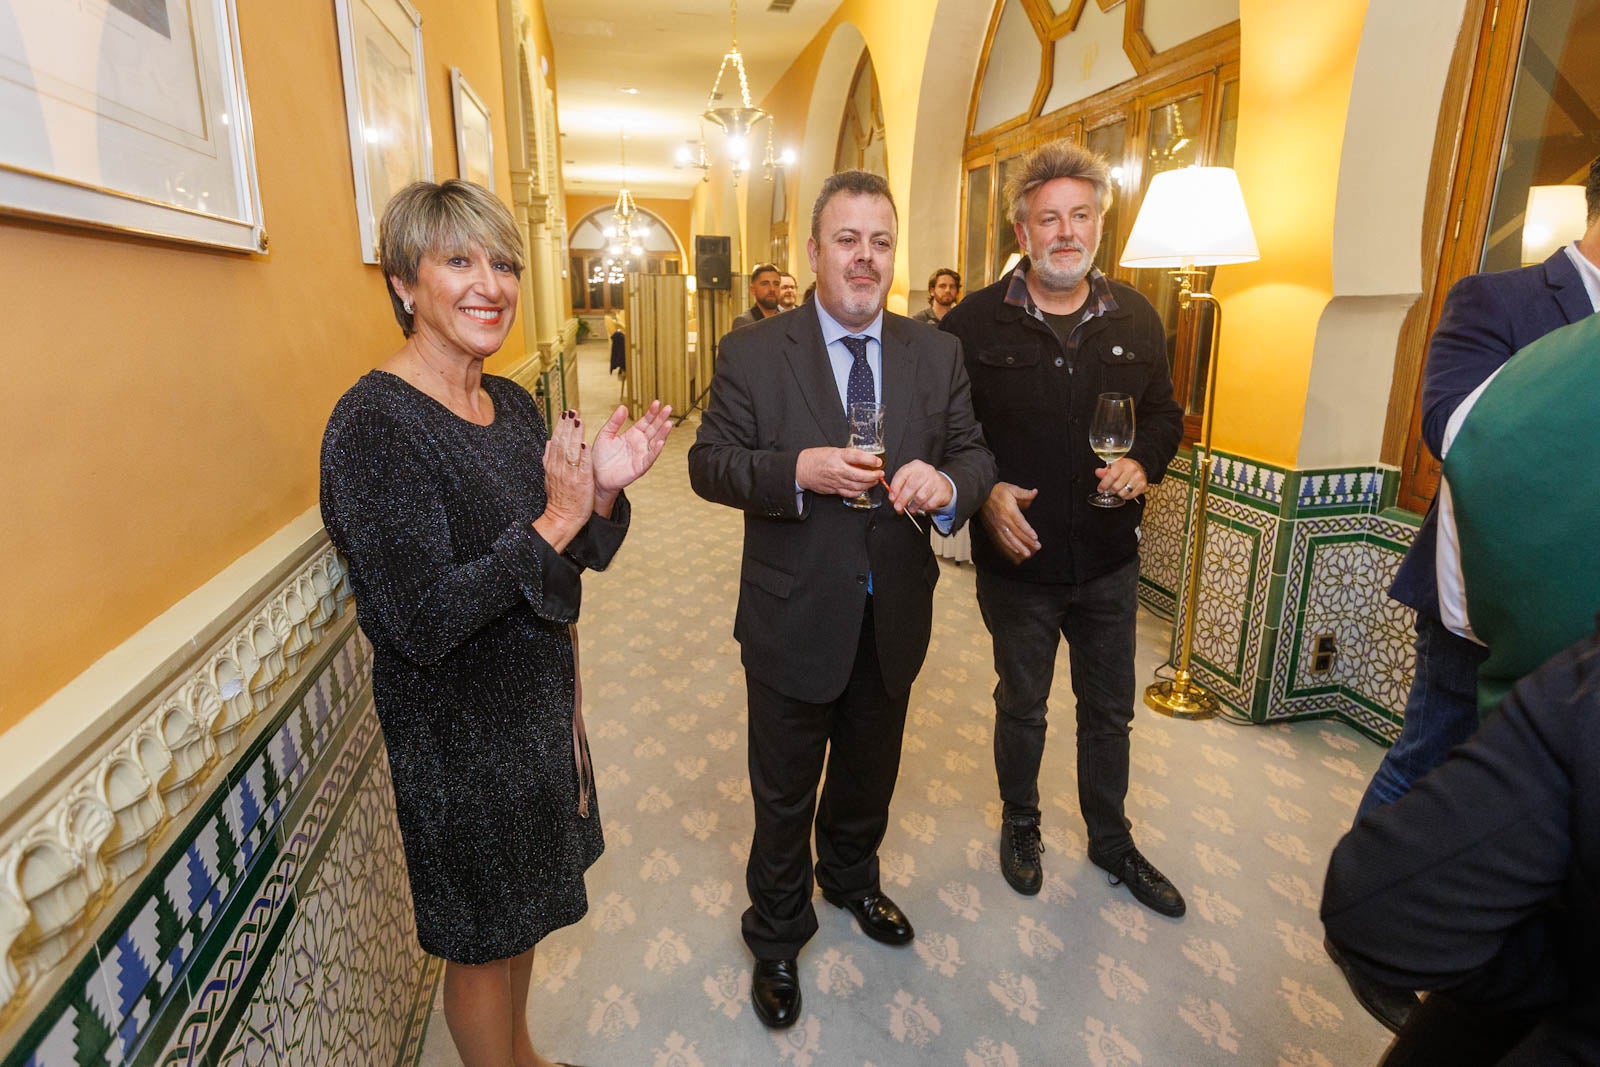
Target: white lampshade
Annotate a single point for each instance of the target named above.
(1555, 216)
(1192, 217)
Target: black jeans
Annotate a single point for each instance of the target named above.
(1097, 618)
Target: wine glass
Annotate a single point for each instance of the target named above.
(866, 435)
(1110, 437)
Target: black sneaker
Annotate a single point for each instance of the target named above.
(1149, 886)
(1020, 847)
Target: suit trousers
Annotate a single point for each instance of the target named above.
(1098, 619)
(851, 745)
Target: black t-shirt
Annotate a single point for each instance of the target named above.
(1063, 325)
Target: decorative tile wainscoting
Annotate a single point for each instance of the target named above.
(1289, 555)
(271, 924)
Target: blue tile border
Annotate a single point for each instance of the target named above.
(118, 998)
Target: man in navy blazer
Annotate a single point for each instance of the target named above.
(835, 602)
(1486, 319)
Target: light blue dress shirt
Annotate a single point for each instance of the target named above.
(840, 360)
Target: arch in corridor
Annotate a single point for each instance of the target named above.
(1378, 262)
(955, 45)
(829, 92)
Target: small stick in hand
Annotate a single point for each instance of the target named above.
(907, 514)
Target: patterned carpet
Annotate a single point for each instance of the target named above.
(1242, 819)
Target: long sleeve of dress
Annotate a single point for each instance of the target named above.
(382, 503)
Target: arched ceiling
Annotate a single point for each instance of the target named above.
(668, 50)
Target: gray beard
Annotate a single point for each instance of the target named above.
(860, 307)
(1060, 281)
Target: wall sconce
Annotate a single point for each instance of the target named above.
(1555, 216)
(1190, 218)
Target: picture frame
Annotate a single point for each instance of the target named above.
(474, 133)
(386, 105)
(130, 116)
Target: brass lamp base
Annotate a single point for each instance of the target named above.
(1180, 700)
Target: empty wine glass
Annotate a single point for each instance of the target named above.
(1110, 437)
(866, 435)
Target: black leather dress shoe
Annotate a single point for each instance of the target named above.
(775, 992)
(879, 917)
(1019, 856)
(1149, 886)
(1388, 1004)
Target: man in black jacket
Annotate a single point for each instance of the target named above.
(1041, 345)
(1482, 884)
(765, 284)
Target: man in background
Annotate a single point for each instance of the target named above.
(1479, 884)
(944, 290)
(788, 292)
(765, 281)
(1486, 318)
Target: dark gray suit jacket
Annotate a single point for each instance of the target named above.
(748, 317)
(803, 585)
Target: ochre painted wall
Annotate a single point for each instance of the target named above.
(164, 404)
(1296, 66)
(673, 212)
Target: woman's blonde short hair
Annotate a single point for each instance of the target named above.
(426, 218)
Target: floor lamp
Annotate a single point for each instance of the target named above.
(1192, 218)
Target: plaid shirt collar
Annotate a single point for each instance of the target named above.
(1099, 300)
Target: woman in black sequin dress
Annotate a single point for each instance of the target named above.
(466, 527)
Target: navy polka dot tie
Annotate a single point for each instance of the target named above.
(859, 389)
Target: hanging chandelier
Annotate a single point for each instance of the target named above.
(736, 122)
(627, 233)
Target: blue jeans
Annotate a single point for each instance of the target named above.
(1027, 621)
(1441, 711)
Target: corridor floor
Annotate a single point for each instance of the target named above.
(1241, 818)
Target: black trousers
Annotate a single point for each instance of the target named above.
(1099, 619)
(851, 746)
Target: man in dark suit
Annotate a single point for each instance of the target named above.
(766, 282)
(1485, 320)
(1480, 884)
(835, 602)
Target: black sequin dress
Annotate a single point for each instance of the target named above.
(468, 611)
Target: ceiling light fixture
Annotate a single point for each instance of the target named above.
(626, 232)
(736, 119)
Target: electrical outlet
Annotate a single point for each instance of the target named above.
(1323, 649)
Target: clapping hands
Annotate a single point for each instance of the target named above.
(622, 456)
(582, 479)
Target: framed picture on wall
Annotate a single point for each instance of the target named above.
(386, 103)
(129, 115)
(474, 138)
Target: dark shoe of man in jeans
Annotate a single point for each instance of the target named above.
(1019, 855)
(1149, 886)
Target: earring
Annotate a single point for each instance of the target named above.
(410, 307)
